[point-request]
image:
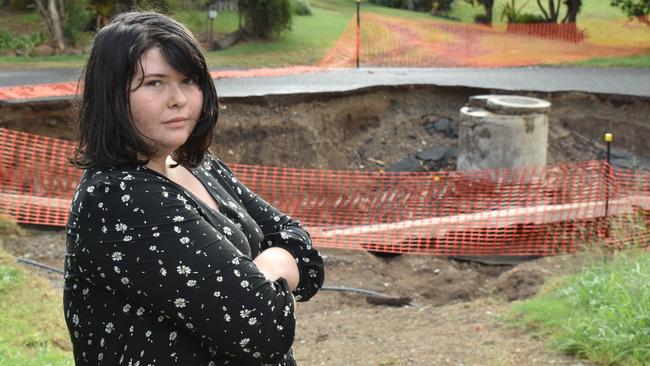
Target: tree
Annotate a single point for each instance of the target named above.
(51, 12)
(552, 13)
(265, 19)
(634, 8)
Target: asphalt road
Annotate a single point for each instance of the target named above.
(622, 81)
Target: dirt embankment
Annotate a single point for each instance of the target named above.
(375, 127)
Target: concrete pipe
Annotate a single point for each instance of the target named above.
(503, 131)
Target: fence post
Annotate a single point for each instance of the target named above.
(608, 141)
(358, 30)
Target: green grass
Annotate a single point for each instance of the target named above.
(32, 328)
(601, 314)
(630, 61)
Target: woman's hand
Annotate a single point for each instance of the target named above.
(277, 262)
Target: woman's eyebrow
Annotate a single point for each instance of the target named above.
(154, 76)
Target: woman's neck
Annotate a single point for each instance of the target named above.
(161, 164)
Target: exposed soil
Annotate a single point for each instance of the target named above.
(458, 303)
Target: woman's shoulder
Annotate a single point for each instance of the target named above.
(101, 183)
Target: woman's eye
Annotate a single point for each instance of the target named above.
(188, 82)
(154, 83)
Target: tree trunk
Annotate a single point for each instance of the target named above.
(488, 5)
(53, 22)
(573, 7)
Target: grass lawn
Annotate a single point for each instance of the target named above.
(32, 328)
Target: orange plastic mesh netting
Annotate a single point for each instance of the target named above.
(399, 42)
(529, 211)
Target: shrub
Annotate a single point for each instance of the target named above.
(266, 19)
(302, 7)
(25, 42)
(439, 6)
(388, 3)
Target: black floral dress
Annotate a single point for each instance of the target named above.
(153, 276)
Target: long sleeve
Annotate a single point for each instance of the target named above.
(139, 237)
(279, 230)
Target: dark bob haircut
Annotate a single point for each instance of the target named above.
(108, 136)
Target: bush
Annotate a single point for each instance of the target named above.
(302, 7)
(633, 7)
(25, 42)
(266, 19)
(388, 3)
(529, 18)
(77, 20)
(439, 6)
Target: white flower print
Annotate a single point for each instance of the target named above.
(165, 194)
(120, 227)
(126, 308)
(163, 272)
(219, 278)
(183, 269)
(244, 342)
(184, 240)
(227, 230)
(140, 311)
(178, 218)
(125, 280)
(217, 294)
(127, 238)
(147, 334)
(191, 283)
(245, 313)
(155, 235)
(244, 283)
(117, 269)
(236, 272)
(177, 229)
(100, 205)
(252, 321)
(276, 218)
(117, 256)
(75, 319)
(152, 248)
(104, 229)
(90, 189)
(122, 185)
(126, 198)
(109, 328)
(180, 302)
(226, 317)
(284, 235)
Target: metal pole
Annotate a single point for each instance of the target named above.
(608, 141)
(358, 30)
(210, 34)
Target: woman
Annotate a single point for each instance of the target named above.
(170, 259)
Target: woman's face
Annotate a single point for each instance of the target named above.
(167, 104)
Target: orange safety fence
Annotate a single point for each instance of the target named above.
(527, 211)
(388, 41)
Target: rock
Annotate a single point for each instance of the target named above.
(442, 124)
(432, 154)
(42, 50)
(407, 164)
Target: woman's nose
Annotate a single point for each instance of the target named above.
(177, 97)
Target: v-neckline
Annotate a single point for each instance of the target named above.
(194, 197)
